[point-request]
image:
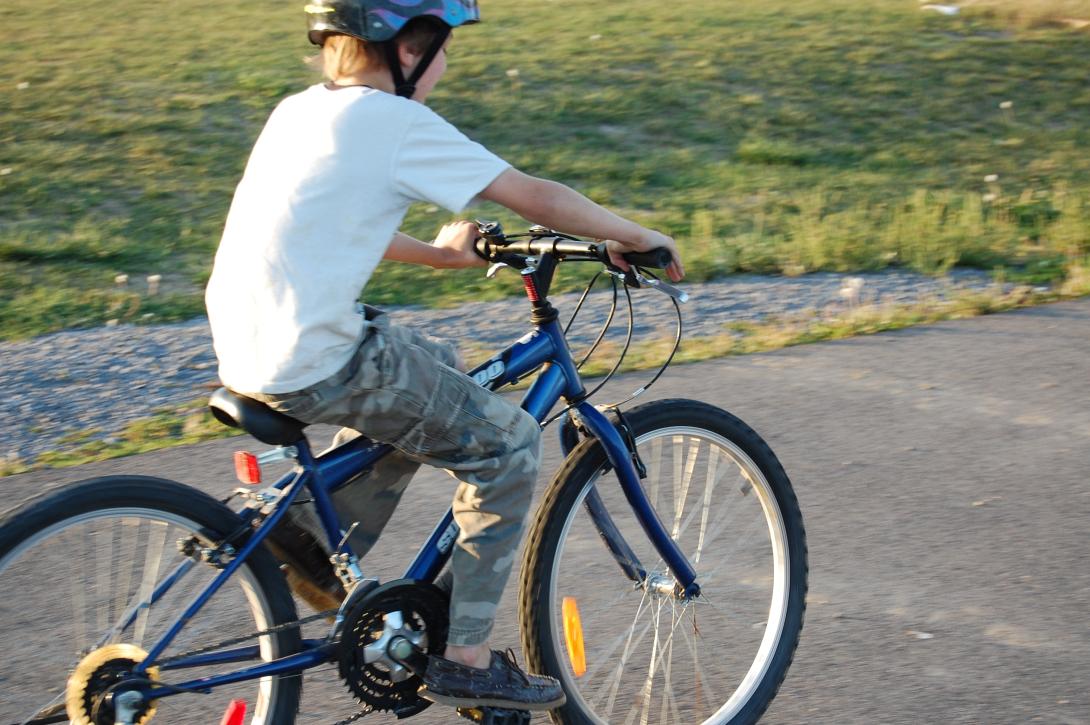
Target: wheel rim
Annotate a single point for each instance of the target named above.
(147, 537)
(647, 653)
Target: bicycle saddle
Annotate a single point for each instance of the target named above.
(256, 418)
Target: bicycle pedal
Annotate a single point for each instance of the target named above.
(495, 715)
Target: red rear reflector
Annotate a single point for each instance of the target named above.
(247, 468)
(235, 714)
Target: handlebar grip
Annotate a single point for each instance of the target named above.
(657, 258)
(481, 248)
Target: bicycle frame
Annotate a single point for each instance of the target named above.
(544, 347)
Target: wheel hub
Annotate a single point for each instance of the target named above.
(662, 585)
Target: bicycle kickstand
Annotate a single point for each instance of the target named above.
(495, 715)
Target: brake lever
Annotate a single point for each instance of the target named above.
(658, 284)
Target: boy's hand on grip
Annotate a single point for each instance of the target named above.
(650, 240)
(458, 240)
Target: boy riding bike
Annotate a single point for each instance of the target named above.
(326, 187)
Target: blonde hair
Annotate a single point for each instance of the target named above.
(346, 55)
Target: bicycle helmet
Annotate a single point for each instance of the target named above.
(378, 21)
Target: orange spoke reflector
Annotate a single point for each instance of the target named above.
(573, 635)
(247, 468)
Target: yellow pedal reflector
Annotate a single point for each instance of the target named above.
(573, 635)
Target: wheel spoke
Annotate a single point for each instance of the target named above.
(603, 656)
(656, 476)
(645, 692)
(709, 487)
(725, 518)
(678, 458)
(154, 556)
(744, 535)
(667, 651)
(101, 593)
(681, 489)
(50, 709)
(614, 679)
(77, 588)
(129, 531)
(660, 650)
(589, 624)
(667, 683)
(701, 677)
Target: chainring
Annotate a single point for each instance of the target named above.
(424, 615)
(96, 675)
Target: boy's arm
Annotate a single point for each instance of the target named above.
(558, 207)
(452, 249)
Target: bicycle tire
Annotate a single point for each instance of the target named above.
(559, 525)
(147, 505)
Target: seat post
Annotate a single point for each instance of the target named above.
(314, 480)
(304, 455)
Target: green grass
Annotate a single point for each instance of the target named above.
(782, 136)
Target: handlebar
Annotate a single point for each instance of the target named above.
(494, 246)
(536, 254)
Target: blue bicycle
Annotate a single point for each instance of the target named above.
(664, 577)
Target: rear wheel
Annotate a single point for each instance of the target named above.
(74, 565)
(632, 651)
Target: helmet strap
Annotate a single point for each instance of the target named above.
(407, 87)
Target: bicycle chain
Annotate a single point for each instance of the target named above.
(365, 710)
(239, 640)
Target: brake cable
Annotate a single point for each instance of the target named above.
(641, 276)
(605, 325)
(677, 344)
(624, 351)
(631, 320)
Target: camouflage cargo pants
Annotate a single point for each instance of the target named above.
(401, 388)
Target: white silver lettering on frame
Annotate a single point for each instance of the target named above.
(448, 538)
(495, 369)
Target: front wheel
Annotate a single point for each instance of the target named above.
(628, 649)
(78, 568)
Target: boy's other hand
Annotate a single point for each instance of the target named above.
(650, 240)
(457, 240)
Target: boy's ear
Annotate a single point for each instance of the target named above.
(407, 57)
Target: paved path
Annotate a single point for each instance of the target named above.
(942, 472)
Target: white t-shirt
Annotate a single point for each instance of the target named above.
(326, 187)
